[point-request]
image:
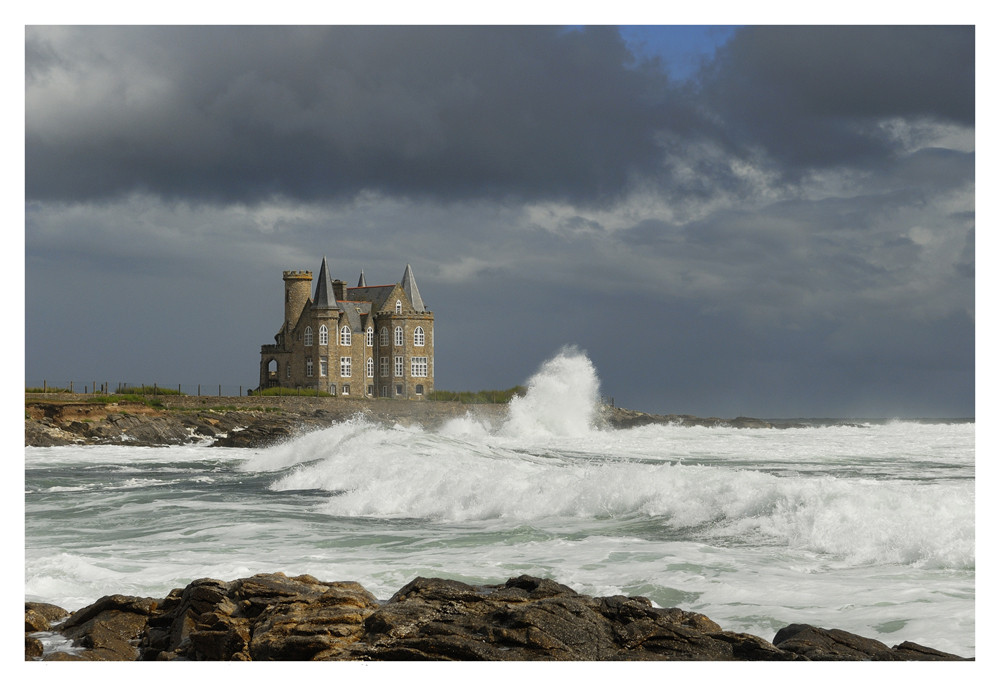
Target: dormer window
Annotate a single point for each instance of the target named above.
(399, 307)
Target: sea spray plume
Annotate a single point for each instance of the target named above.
(561, 399)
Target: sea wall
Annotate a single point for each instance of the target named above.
(275, 617)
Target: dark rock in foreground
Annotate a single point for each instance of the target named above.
(274, 617)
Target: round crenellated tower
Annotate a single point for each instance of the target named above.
(298, 287)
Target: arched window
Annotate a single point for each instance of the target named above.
(370, 368)
(399, 307)
(383, 336)
(345, 335)
(308, 338)
(369, 336)
(418, 336)
(399, 335)
(324, 335)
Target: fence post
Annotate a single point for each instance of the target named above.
(178, 389)
(199, 390)
(70, 386)
(220, 390)
(45, 386)
(154, 388)
(241, 391)
(94, 386)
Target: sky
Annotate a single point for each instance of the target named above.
(770, 221)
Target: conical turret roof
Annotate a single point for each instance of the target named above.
(325, 298)
(361, 282)
(409, 284)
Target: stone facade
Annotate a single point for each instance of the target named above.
(361, 342)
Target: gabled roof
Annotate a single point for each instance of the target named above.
(376, 295)
(325, 298)
(409, 284)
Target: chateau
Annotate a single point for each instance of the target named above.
(367, 341)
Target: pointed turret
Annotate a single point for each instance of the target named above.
(325, 298)
(409, 284)
(361, 282)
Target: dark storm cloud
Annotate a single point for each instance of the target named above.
(240, 114)
(818, 95)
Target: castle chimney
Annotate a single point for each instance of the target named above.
(339, 289)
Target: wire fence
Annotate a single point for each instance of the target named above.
(98, 387)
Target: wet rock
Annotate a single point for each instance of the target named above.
(257, 435)
(109, 629)
(276, 617)
(815, 643)
(264, 617)
(537, 619)
(32, 647)
(39, 617)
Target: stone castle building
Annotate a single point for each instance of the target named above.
(367, 341)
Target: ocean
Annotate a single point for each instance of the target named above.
(868, 527)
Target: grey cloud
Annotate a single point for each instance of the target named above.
(815, 95)
(241, 113)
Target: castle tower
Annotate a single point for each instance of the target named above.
(298, 285)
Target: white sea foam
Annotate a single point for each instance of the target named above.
(561, 399)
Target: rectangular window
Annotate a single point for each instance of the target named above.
(398, 367)
(309, 367)
(385, 391)
(383, 367)
(345, 366)
(322, 367)
(420, 389)
(346, 390)
(399, 389)
(418, 366)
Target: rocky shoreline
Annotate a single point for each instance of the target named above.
(249, 422)
(273, 617)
